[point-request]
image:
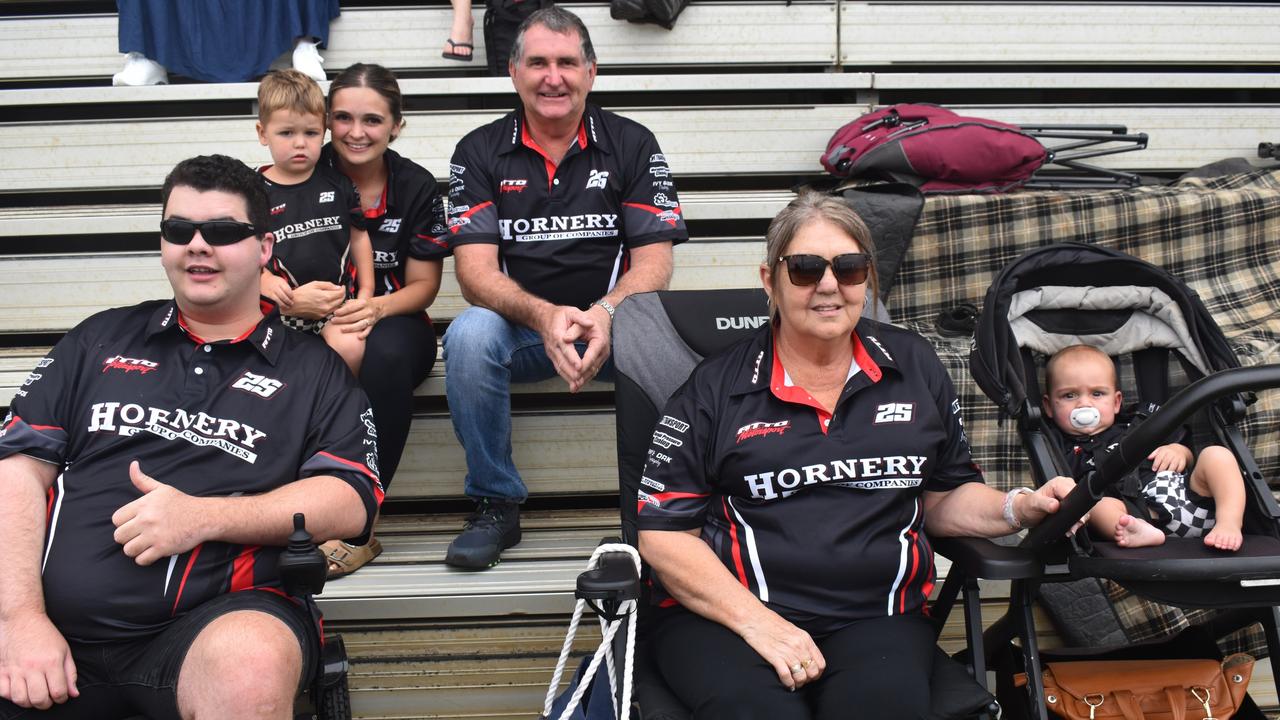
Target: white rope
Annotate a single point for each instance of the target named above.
(608, 630)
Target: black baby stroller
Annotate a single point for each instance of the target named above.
(1072, 293)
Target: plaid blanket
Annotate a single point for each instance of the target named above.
(1218, 235)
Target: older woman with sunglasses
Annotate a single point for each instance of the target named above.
(786, 494)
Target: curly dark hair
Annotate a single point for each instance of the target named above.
(225, 174)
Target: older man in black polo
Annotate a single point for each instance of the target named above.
(151, 467)
(558, 211)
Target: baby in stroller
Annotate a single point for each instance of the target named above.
(1083, 401)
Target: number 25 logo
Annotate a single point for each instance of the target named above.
(894, 413)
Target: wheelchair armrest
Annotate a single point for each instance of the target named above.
(981, 558)
(614, 580)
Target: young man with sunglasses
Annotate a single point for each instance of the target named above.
(558, 211)
(151, 466)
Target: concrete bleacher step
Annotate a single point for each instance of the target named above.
(410, 579)
(760, 33)
(1048, 33)
(781, 140)
(481, 669)
(53, 293)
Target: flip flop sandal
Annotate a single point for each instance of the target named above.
(345, 559)
(452, 54)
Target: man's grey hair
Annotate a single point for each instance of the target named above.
(557, 20)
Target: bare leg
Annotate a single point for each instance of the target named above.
(1217, 475)
(347, 345)
(461, 32)
(245, 664)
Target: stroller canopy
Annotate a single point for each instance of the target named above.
(1074, 293)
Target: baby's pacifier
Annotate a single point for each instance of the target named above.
(1083, 418)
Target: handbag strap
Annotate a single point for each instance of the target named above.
(1129, 707)
(1177, 701)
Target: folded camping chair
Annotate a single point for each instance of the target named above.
(658, 338)
(1073, 293)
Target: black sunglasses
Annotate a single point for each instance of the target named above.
(214, 232)
(849, 268)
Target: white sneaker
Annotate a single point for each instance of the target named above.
(307, 60)
(138, 70)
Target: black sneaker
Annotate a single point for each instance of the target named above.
(493, 527)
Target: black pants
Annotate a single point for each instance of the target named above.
(878, 668)
(398, 356)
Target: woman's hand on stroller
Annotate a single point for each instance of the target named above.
(1032, 508)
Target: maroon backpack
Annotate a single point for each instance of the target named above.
(935, 149)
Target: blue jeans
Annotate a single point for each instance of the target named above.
(483, 354)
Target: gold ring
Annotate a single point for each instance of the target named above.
(797, 669)
(806, 663)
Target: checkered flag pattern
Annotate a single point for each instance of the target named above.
(1179, 514)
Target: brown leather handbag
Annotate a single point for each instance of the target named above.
(1146, 689)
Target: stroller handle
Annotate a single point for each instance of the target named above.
(1145, 438)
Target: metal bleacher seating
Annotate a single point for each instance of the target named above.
(742, 95)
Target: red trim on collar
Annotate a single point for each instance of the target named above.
(527, 140)
(864, 360)
(798, 395)
(263, 305)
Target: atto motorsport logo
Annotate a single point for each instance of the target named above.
(128, 365)
(761, 429)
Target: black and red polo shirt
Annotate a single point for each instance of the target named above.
(563, 231)
(820, 516)
(312, 222)
(209, 418)
(407, 221)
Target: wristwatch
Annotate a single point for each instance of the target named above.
(608, 307)
(1009, 517)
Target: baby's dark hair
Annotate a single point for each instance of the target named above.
(1072, 353)
(206, 173)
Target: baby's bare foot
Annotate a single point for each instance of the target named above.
(1132, 532)
(1224, 537)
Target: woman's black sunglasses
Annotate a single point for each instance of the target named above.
(849, 268)
(214, 232)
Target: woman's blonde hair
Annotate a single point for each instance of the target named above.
(810, 206)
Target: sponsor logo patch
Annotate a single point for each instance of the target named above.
(657, 158)
(661, 200)
(326, 196)
(128, 365)
(761, 429)
(894, 413)
(888, 472)
(516, 186)
(597, 179)
(876, 342)
(390, 225)
(666, 441)
(256, 384)
(651, 483)
(456, 169)
(279, 208)
(230, 436)
(659, 172)
(679, 426)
